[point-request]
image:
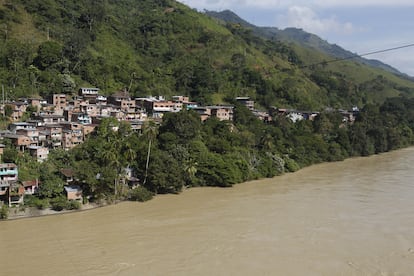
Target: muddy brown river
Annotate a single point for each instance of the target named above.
(348, 218)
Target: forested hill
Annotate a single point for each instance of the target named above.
(162, 47)
(302, 38)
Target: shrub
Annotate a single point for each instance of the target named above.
(34, 201)
(30, 200)
(41, 204)
(140, 194)
(291, 165)
(22, 208)
(59, 203)
(73, 205)
(4, 212)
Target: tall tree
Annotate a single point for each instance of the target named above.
(150, 132)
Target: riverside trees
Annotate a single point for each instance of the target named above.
(183, 151)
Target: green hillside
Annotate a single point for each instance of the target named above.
(161, 47)
(165, 48)
(302, 38)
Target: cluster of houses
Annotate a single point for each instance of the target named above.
(64, 121)
(12, 191)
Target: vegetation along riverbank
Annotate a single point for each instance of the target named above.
(185, 152)
(90, 113)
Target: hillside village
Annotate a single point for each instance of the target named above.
(40, 125)
(157, 47)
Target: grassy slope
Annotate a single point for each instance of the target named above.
(359, 74)
(120, 60)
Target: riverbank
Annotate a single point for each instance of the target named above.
(32, 212)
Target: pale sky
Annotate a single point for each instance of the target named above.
(360, 26)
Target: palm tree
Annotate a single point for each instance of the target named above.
(129, 154)
(150, 132)
(191, 170)
(267, 142)
(110, 158)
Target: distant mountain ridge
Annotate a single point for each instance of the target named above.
(302, 38)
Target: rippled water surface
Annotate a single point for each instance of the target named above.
(348, 218)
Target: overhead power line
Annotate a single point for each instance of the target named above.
(357, 55)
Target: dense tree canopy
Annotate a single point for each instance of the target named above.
(185, 152)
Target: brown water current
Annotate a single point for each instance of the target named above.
(348, 218)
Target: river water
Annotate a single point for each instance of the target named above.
(347, 218)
